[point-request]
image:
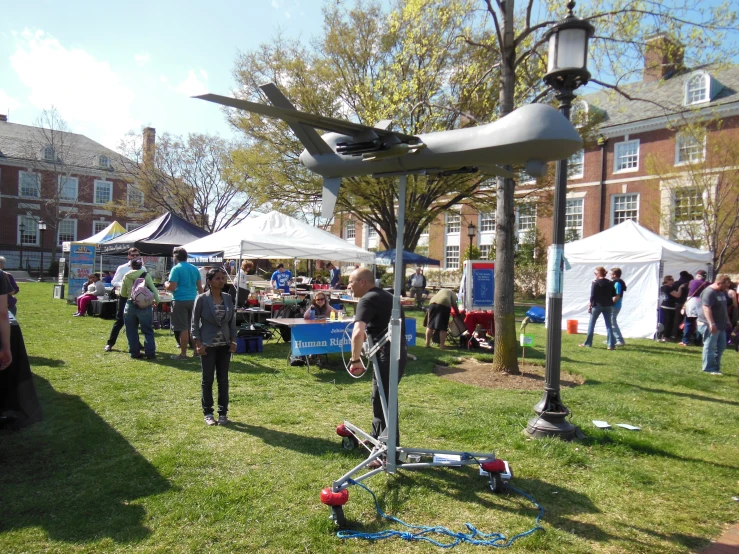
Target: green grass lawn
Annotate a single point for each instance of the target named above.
(122, 461)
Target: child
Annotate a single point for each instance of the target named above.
(84, 301)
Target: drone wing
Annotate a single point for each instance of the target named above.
(296, 119)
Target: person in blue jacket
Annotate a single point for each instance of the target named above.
(281, 279)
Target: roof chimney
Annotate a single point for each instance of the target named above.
(662, 57)
(3, 117)
(150, 135)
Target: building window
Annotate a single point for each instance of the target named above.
(688, 205)
(487, 222)
(30, 231)
(525, 217)
(134, 196)
(688, 148)
(576, 165)
(103, 192)
(371, 232)
(349, 232)
(573, 216)
(29, 184)
(98, 226)
(624, 206)
(485, 251)
(453, 225)
(66, 231)
(48, 154)
(696, 89)
(627, 155)
(425, 231)
(68, 188)
(452, 257)
(104, 161)
(131, 225)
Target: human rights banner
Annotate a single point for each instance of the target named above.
(81, 266)
(328, 338)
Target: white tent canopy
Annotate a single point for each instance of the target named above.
(643, 256)
(275, 235)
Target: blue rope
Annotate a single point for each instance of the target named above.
(420, 532)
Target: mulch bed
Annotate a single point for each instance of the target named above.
(474, 372)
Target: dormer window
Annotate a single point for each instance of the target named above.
(698, 88)
(104, 161)
(48, 154)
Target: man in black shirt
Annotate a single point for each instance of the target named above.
(6, 357)
(373, 316)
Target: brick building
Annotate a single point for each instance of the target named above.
(72, 183)
(637, 166)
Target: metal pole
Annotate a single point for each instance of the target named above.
(41, 263)
(551, 412)
(395, 336)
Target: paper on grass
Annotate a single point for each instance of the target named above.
(629, 427)
(601, 424)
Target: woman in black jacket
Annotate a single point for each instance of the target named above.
(602, 293)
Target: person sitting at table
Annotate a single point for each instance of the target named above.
(99, 285)
(83, 302)
(439, 310)
(320, 307)
(107, 278)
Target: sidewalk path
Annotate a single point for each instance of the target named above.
(728, 543)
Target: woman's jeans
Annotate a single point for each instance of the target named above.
(617, 336)
(135, 317)
(713, 348)
(688, 329)
(216, 360)
(594, 313)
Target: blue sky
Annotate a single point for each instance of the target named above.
(110, 68)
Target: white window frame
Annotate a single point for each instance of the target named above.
(452, 221)
(29, 223)
(64, 180)
(48, 154)
(485, 250)
(131, 191)
(697, 83)
(696, 151)
(574, 211)
(372, 232)
(98, 226)
(59, 239)
(576, 165)
(350, 230)
(487, 222)
(99, 183)
(451, 261)
(520, 230)
(29, 175)
(688, 192)
(616, 197)
(622, 156)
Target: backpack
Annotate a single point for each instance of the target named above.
(141, 296)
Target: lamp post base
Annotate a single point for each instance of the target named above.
(551, 424)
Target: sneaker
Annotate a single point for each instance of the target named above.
(713, 372)
(620, 343)
(210, 420)
(222, 419)
(151, 356)
(108, 348)
(682, 344)
(138, 356)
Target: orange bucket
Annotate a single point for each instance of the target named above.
(572, 327)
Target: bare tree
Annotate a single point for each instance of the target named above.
(192, 176)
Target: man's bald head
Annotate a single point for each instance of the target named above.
(361, 281)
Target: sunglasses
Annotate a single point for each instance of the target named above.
(320, 299)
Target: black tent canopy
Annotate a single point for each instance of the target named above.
(156, 238)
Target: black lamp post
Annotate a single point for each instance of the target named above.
(567, 70)
(471, 231)
(41, 230)
(21, 228)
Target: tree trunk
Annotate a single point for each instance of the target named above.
(505, 358)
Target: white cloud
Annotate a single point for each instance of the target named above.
(195, 83)
(277, 4)
(142, 59)
(7, 102)
(87, 92)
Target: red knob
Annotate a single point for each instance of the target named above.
(331, 498)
